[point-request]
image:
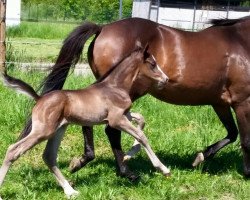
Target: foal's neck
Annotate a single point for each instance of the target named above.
(124, 75)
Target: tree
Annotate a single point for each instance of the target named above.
(100, 11)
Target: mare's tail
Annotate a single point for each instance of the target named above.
(69, 55)
(19, 86)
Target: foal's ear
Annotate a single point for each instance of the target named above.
(145, 52)
(138, 46)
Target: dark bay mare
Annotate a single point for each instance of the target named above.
(107, 101)
(209, 67)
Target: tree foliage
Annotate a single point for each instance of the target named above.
(93, 10)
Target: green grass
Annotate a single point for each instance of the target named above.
(175, 133)
(42, 30)
(38, 42)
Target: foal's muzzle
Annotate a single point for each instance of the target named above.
(161, 84)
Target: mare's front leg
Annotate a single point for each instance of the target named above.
(225, 115)
(89, 151)
(50, 158)
(122, 123)
(242, 111)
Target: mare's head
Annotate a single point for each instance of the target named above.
(149, 70)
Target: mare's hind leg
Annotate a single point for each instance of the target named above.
(225, 115)
(50, 158)
(242, 111)
(89, 151)
(16, 150)
(114, 137)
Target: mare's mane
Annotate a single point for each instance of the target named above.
(227, 22)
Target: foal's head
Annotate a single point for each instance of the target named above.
(148, 69)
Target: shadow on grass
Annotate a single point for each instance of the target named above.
(219, 165)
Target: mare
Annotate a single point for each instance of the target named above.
(209, 67)
(107, 101)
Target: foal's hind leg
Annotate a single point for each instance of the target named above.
(225, 115)
(89, 151)
(50, 156)
(16, 150)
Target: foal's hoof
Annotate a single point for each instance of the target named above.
(73, 194)
(199, 159)
(126, 158)
(168, 175)
(75, 165)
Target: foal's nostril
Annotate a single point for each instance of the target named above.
(165, 79)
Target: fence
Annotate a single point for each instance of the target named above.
(37, 41)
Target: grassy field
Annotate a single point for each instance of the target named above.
(175, 133)
(37, 42)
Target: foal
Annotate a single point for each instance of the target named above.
(106, 101)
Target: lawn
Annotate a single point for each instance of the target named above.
(37, 42)
(176, 134)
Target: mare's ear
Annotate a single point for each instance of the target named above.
(145, 52)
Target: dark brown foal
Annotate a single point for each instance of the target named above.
(107, 101)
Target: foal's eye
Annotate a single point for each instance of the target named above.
(152, 65)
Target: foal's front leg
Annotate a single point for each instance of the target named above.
(139, 120)
(50, 158)
(124, 124)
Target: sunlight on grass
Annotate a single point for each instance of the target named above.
(175, 133)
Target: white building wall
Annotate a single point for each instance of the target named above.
(180, 17)
(141, 8)
(183, 18)
(13, 12)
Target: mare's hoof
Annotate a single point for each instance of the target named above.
(130, 175)
(246, 174)
(75, 165)
(199, 159)
(133, 177)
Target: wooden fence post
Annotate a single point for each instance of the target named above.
(2, 35)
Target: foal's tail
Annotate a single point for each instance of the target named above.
(19, 86)
(69, 55)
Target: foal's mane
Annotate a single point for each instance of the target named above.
(227, 22)
(137, 49)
